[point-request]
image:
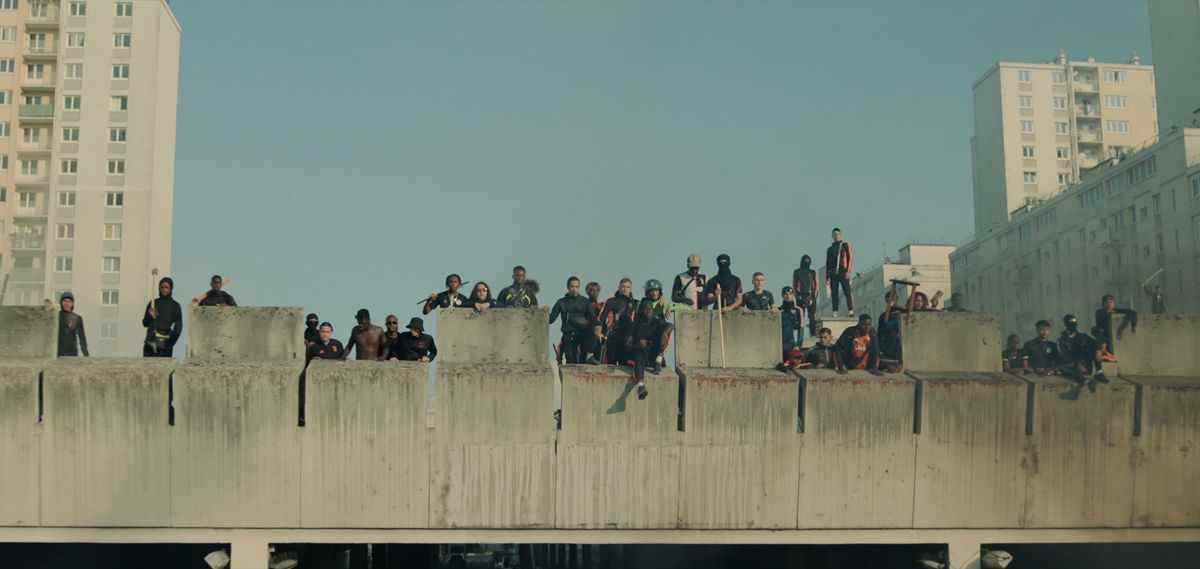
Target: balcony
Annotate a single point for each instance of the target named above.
(46, 21)
(38, 83)
(36, 113)
(1087, 111)
(40, 52)
(35, 179)
(37, 147)
(28, 243)
(1090, 137)
(1086, 86)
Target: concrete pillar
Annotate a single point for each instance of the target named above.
(964, 554)
(249, 553)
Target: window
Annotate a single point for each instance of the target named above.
(1030, 177)
(8, 4)
(70, 134)
(1114, 76)
(65, 231)
(4, 130)
(76, 39)
(3, 161)
(119, 103)
(5, 97)
(122, 40)
(117, 134)
(1061, 127)
(39, 8)
(111, 265)
(29, 167)
(8, 65)
(35, 41)
(112, 231)
(124, 9)
(1026, 126)
(3, 197)
(27, 200)
(116, 167)
(31, 135)
(108, 330)
(1059, 76)
(66, 199)
(110, 297)
(121, 71)
(1024, 75)
(1063, 152)
(74, 71)
(78, 8)
(1118, 127)
(8, 33)
(1064, 178)
(1025, 102)
(72, 102)
(1060, 103)
(114, 199)
(1116, 101)
(1028, 151)
(70, 166)
(64, 264)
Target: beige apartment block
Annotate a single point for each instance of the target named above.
(927, 264)
(1040, 126)
(88, 93)
(1175, 36)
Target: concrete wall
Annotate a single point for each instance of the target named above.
(618, 458)
(365, 445)
(19, 443)
(236, 334)
(1163, 345)
(951, 342)
(1168, 453)
(752, 339)
(503, 335)
(28, 332)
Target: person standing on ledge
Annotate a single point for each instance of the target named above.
(521, 294)
(325, 348)
(839, 264)
(612, 329)
(416, 345)
(215, 296)
(1104, 331)
(577, 322)
(804, 286)
(71, 338)
(312, 329)
(759, 298)
(449, 298)
(731, 287)
(366, 339)
(689, 285)
(163, 321)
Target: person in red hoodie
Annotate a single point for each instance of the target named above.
(839, 263)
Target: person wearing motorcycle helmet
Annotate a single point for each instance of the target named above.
(1081, 353)
(661, 309)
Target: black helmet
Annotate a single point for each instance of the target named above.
(1070, 322)
(653, 284)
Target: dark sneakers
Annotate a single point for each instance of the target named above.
(642, 392)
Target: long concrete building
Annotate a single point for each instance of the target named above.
(88, 94)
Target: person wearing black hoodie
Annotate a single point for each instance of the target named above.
(163, 320)
(804, 286)
(730, 284)
(613, 327)
(577, 322)
(312, 330)
(1104, 320)
(71, 338)
(1080, 353)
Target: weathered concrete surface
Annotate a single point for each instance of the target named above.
(106, 457)
(618, 458)
(498, 336)
(28, 332)
(741, 454)
(951, 341)
(1163, 345)
(971, 451)
(253, 334)
(365, 445)
(235, 446)
(1168, 453)
(752, 339)
(20, 436)
(492, 459)
(858, 451)
(1081, 465)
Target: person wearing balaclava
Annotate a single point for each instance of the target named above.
(163, 321)
(1080, 351)
(71, 338)
(804, 286)
(312, 329)
(731, 286)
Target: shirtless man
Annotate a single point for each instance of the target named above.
(366, 339)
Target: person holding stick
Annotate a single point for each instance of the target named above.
(163, 321)
(449, 298)
(725, 289)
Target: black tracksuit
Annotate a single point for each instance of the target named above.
(412, 348)
(168, 323)
(1043, 354)
(218, 298)
(71, 338)
(1104, 324)
(577, 323)
(321, 351)
(616, 320)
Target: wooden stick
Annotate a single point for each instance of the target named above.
(721, 323)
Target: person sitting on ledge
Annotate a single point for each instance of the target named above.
(449, 298)
(663, 310)
(1081, 354)
(416, 345)
(889, 327)
(858, 348)
(823, 355)
(366, 339)
(643, 343)
(215, 295)
(1042, 353)
(326, 348)
(522, 293)
(481, 297)
(1014, 358)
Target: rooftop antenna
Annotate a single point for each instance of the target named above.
(1062, 57)
(1135, 59)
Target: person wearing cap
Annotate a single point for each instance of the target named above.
(366, 339)
(730, 285)
(416, 345)
(688, 288)
(522, 293)
(216, 295)
(72, 340)
(839, 265)
(1080, 354)
(312, 329)
(325, 348)
(163, 321)
(577, 323)
(449, 298)
(616, 318)
(759, 298)
(804, 286)
(858, 347)
(792, 320)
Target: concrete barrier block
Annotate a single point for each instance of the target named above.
(1081, 465)
(618, 458)
(365, 445)
(105, 457)
(235, 446)
(20, 443)
(245, 334)
(28, 332)
(752, 339)
(492, 459)
(741, 451)
(1168, 453)
(1163, 345)
(518, 336)
(951, 342)
(858, 451)
(971, 451)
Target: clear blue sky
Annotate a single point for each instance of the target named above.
(336, 155)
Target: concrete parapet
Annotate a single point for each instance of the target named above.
(492, 459)
(365, 445)
(752, 339)
(1163, 345)
(858, 450)
(28, 332)
(618, 459)
(252, 334)
(19, 444)
(1080, 469)
(951, 342)
(105, 434)
(1168, 453)
(497, 336)
(971, 451)
(235, 446)
(741, 453)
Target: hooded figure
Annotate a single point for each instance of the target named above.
(71, 338)
(163, 321)
(1080, 351)
(731, 285)
(312, 330)
(806, 288)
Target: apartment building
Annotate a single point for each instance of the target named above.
(1039, 126)
(927, 264)
(1175, 37)
(88, 92)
